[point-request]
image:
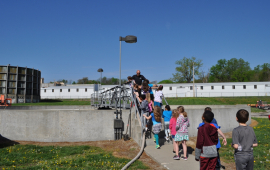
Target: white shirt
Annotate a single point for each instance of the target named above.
(158, 96)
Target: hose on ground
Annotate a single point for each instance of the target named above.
(139, 154)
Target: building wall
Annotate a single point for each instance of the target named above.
(21, 84)
(169, 90)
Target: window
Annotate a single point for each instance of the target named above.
(44, 90)
(191, 87)
(201, 87)
(60, 90)
(52, 90)
(85, 89)
(255, 86)
(170, 88)
(68, 90)
(212, 87)
(244, 86)
(223, 87)
(233, 86)
(77, 90)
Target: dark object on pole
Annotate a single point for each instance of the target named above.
(100, 70)
(127, 39)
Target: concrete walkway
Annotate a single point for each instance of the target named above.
(164, 156)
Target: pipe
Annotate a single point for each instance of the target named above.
(139, 154)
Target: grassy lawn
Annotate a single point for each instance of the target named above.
(256, 110)
(66, 157)
(215, 100)
(261, 153)
(55, 102)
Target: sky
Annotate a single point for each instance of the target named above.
(68, 39)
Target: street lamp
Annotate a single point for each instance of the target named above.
(127, 39)
(100, 70)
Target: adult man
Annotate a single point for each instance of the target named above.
(138, 78)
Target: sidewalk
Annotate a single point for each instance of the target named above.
(164, 156)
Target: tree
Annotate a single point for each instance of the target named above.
(84, 80)
(233, 70)
(73, 82)
(166, 82)
(184, 73)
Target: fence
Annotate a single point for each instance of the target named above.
(217, 94)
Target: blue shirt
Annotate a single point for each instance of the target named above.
(150, 88)
(154, 120)
(214, 121)
(167, 115)
(218, 127)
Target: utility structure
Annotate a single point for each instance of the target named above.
(100, 70)
(20, 84)
(127, 39)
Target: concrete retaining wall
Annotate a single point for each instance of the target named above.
(80, 123)
(58, 125)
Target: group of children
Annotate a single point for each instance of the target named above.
(243, 141)
(176, 125)
(208, 144)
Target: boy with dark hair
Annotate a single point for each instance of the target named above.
(243, 141)
(214, 123)
(207, 140)
(144, 107)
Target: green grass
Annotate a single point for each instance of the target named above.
(55, 102)
(256, 110)
(55, 157)
(261, 152)
(215, 100)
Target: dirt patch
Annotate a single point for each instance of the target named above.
(253, 123)
(120, 148)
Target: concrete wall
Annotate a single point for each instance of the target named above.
(81, 123)
(224, 114)
(58, 125)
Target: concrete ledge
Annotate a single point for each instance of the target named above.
(59, 125)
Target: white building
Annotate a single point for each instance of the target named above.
(230, 89)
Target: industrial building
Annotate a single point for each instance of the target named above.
(229, 89)
(21, 84)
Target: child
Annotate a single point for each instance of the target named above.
(209, 109)
(172, 126)
(158, 96)
(136, 87)
(144, 104)
(167, 114)
(156, 119)
(218, 165)
(150, 102)
(207, 139)
(243, 141)
(182, 125)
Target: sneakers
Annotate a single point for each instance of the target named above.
(176, 157)
(157, 147)
(185, 158)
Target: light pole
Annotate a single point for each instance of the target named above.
(193, 82)
(100, 70)
(127, 39)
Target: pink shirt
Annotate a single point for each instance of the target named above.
(172, 126)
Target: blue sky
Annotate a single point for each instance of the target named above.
(71, 39)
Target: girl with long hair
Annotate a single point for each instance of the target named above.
(182, 125)
(156, 119)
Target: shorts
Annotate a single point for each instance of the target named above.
(157, 104)
(173, 136)
(181, 137)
